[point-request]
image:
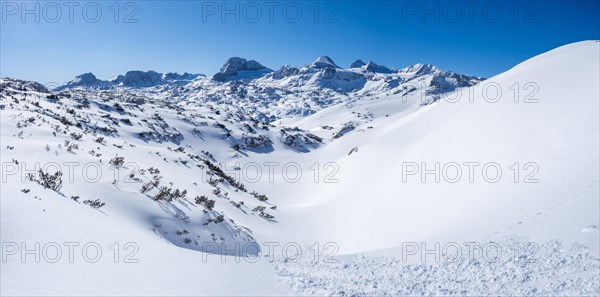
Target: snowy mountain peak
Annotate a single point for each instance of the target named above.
(88, 80)
(138, 78)
(85, 78)
(357, 64)
(176, 76)
(240, 68)
(372, 67)
(323, 62)
(133, 79)
(286, 71)
(421, 69)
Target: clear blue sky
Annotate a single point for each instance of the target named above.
(192, 36)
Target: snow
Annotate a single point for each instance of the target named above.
(565, 271)
(361, 210)
(322, 62)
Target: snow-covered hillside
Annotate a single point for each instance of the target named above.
(550, 129)
(207, 186)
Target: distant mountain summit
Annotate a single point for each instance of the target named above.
(175, 76)
(86, 80)
(323, 62)
(357, 64)
(372, 67)
(240, 68)
(138, 78)
(141, 79)
(134, 79)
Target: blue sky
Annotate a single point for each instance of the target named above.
(484, 38)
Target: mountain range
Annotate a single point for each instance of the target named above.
(288, 91)
(323, 70)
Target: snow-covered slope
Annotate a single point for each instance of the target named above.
(353, 133)
(551, 132)
(545, 140)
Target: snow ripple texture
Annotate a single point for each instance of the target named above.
(555, 270)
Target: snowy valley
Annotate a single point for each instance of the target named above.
(311, 179)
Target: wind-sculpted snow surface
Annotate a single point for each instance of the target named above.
(555, 270)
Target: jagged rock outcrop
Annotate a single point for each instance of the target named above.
(357, 64)
(240, 68)
(372, 67)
